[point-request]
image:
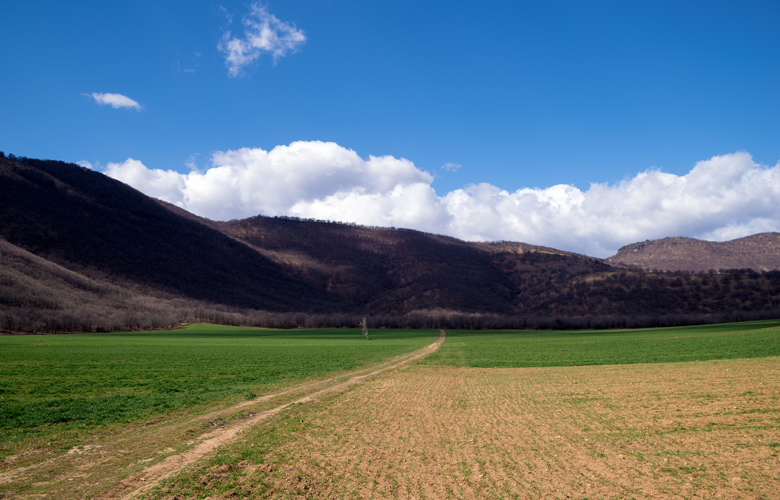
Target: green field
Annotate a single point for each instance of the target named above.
(453, 427)
(517, 349)
(80, 413)
(55, 382)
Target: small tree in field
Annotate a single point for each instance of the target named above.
(364, 326)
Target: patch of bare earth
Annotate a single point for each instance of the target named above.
(681, 430)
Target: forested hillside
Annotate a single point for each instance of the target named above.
(82, 251)
(90, 223)
(494, 284)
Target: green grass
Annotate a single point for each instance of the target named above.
(494, 349)
(54, 382)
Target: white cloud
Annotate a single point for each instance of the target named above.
(116, 101)
(405, 205)
(86, 164)
(721, 198)
(192, 162)
(248, 182)
(163, 184)
(263, 33)
(451, 167)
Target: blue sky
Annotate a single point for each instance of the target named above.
(507, 95)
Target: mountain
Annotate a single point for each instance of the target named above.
(402, 272)
(384, 270)
(395, 271)
(759, 252)
(92, 224)
(81, 251)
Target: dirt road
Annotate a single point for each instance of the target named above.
(143, 481)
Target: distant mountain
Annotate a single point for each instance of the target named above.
(81, 251)
(759, 252)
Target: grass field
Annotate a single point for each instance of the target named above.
(53, 382)
(688, 412)
(515, 349)
(446, 429)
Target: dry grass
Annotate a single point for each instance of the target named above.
(679, 430)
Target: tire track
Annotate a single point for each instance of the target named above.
(150, 477)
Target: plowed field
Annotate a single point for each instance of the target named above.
(706, 429)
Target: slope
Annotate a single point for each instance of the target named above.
(313, 273)
(388, 270)
(88, 222)
(398, 272)
(759, 252)
(37, 295)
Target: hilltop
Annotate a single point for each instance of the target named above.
(759, 252)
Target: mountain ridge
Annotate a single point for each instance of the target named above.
(84, 219)
(759, 252)
(284, 271)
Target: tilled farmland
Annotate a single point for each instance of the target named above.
(678, 430)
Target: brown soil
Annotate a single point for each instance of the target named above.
(679, 430)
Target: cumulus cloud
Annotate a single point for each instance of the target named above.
(721, 198)
(263, 33)
(451, 167)
(405, 205)
(285, 180)
(163, 184)
(116, 101)
(725, 197)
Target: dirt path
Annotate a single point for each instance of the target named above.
(150, 477)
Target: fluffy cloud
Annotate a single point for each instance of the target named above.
(405, 205)
(263, 33)
(116, 101)
(722, 198)
(163, 184)
(297, 179)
